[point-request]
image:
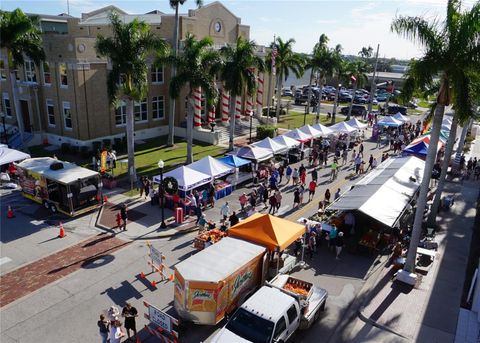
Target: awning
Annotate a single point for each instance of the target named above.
(11, 155)
(385, 192)
(187, 178)
(210, 166)
(401, 117)
(254, 153)
(390, 122)
(274, 146)
(325, 131)
(290, 142)
(234, 161)
(310, 130)
(270, 231)
(342, 127)
(299, 135)
(354, 122)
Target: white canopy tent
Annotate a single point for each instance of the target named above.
(384, 193)
(343, 127)
(354, 122)
(310, 130)
(254, 153)
(299, 135)
(325, 131)
(186, 177)
(400, 117)
(211, 166)
(11, 155)
(287, 141)
(389, 121)
(274, 146)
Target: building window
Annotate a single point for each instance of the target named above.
(158, 107)
(47, 76)
(121, 114)
(156, 74)
(140, 110)
(30, 75)
(67, 115)
(3, 72)
(7, 107)
(63, 74)
(51, 112)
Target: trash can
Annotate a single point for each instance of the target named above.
(179, 215)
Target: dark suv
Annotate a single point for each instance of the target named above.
(394, 109)
(357, 110)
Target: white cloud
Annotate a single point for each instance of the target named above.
(326, 21)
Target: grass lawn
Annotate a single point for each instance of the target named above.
(146, 155)
(295, 119)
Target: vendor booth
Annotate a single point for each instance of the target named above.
(186, 177)
(287, 141)
(389, 122)
(242, 169)
(275, 233)
(299, 135)
(311, 131)
(342, 127)
(401, 117)
(254, 153)
(419, 147)
(382, 195)
(274, 146)
(325, 131)
(216, 169)
(355, 123)
(11, 155)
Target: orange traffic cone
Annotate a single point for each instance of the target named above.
(142, 275)
(105, 198)
(10, 214)
(61, 234)
(171, 278)
(153, 284)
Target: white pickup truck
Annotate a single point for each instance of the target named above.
(275, 312)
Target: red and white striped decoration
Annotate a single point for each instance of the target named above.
(225, 106)
(249, 107)
(260, 94)
(211, 114)
(238, 107)
(197, 109)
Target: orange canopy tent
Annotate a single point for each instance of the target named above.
(269, 231)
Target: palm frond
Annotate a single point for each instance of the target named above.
(418, 30)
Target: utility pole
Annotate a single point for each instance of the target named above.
(270, 80)
(372, 83)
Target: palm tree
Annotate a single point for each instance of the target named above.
(451, 51)
(175, 4)
(366, 53)
(127, 50)
(341, 76)
(323, 61)
(322, 42)
(196, 65)
(358, 74)
(286, 60)
(238, 74)
(20, 36)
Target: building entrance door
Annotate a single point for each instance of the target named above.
(27, 127)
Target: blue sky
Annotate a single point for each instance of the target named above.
(353, 24)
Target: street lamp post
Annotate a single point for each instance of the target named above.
(251, 119)
(305, 114)
(161, 164)
(5, 134)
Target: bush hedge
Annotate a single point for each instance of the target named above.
(264, 131)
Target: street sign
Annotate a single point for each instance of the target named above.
(160, 318)
(156, 256)
(163, 321)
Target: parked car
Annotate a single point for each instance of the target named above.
(344, 97)
(381, 97)
(394, 109)
(359, 99)
(287, 92)
(357, 110)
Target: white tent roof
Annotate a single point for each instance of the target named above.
(275, 146)
(298, 135)
(11, 155)
(342, 127)
(326, 131)
(384, 193)
(401, 117)
(219, 261)
(310, 130)
(354, 122)
(211, 166)
(254, 153)
(389, 121)
(187, 178)
(287, 141)
(69, 173)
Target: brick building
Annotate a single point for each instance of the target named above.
(65, 99)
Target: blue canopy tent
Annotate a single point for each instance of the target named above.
(234, 161)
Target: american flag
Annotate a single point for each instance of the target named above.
(354, 79)
(274, 55)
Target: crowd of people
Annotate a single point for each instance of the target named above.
(110, 325)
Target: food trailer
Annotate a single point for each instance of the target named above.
(60, 186)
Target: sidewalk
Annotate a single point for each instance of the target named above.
(428, 312)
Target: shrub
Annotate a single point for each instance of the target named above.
(264, 131)
(65, 148)
(273, 111)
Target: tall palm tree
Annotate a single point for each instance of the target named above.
(322, 42)
(175, 4)
(366, 53)
(451, 51)
(323, 61)
(197, 65)
(358, 74)
(286, 61)
(341, 77)
(127, 50)
(238, 74)
(20, 36)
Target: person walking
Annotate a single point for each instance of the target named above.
(146, 187)
(281, 171)
(124, 216)
(354, 155)
(140, 186)
(279, 197)
(233, 219)
(358, 162)
(311, 189)
(273, 204)
(339, 245)
(370, 163)
(225, 211)
(303, 177)
(327, 197)
(360, 149)
(288, 174)
(301, 192)
(374, 163)
(314, 175)
(130, 313)
(337, 195)
(332, 236)
(253, 199)
(333, 169)
(243, 201)
(296, 198)
(295, 175)
(103, 326)
(344, 157)
(116, 333)
(312, 244)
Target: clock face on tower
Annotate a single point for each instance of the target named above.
(218, 26)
